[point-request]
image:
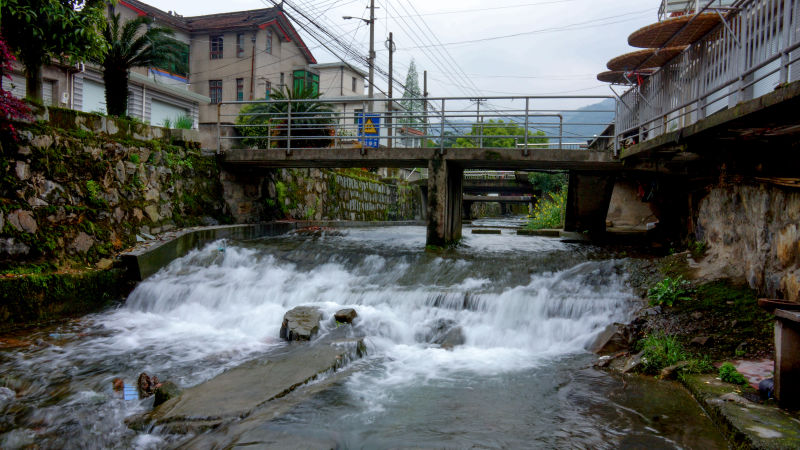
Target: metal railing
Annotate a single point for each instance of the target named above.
(754, 50)
(490, 175)
(673, 8)
(527, 123)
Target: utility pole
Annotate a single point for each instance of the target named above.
(425, 94)
(371, 54)
(390, 46)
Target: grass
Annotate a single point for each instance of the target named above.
(660, 350)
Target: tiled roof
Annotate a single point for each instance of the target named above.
(210, 22)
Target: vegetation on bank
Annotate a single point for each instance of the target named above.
(552, 200)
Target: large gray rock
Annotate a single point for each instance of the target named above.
(164, 392)
(443, 332)
(82, 243)
(12, 247)
(346, 315)
(23, 221)
(301, 323)
(23, 170)
(611, 340)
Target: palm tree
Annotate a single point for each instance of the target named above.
(128, 48)
(311, 122)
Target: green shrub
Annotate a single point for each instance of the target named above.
(669, 290)
(134, 158)
(93, 190)
(729, 374)
(659, 351)
(549, 211)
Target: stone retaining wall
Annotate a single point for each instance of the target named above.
(753, 232)
(320, 194)
(80, 188)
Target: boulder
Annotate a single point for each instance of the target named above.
(443, 332)
(11, 247)
(23, 170)
(23, 221)
(670, 372)
(451, 338)
(633, 363)
(702, 341)
(345, 315)
(611, 340)
(300, 323)
(164, 392)
(82, 243)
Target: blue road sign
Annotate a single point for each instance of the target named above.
(369, 130)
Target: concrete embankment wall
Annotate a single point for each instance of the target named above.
(753, 232)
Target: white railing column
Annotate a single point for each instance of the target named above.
(289, 130)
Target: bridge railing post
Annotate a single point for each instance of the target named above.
(527, 110)
(441, 132)
(289, 129)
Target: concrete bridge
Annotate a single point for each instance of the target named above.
(508, 137)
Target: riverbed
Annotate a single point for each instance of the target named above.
(528, 307)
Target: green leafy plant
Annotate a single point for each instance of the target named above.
(184, 122)
(659, 351)
(94, 193)
(698, 248)
(549, 211)
(729, 374)
(669, 290)
(134, 158)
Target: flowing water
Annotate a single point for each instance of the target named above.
(527, 306)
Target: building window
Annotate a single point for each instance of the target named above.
(216, 47)
(269, 41)
(239, 89)
(215, 90)
(354, 84)
(240, 45)
(306, 80)
(268, 90)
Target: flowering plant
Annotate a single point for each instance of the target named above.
(11, 108)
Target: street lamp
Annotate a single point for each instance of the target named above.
(371, 58)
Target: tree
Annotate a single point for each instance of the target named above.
(126, 47)
(39, 30)
(266, 123)
(413, 108)
(547, 182)
(509, 134)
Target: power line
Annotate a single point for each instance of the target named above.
(574, 26)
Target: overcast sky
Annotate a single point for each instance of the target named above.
(560, 45)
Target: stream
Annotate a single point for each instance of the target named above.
(528, 307)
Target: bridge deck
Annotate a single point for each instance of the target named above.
(470, 158)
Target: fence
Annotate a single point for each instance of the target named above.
(751, 52)
(528, 123)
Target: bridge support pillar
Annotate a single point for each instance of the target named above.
(444, 203)
(467, 215)
(588, 198)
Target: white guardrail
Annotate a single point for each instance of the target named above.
(754, 50)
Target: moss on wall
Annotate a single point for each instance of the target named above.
(41, 297)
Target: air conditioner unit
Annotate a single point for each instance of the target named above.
(64, 98)
(81, 67)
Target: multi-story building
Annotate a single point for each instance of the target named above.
(242, 55)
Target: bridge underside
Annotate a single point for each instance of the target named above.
(445, 171)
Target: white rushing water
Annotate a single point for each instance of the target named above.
(223, 304)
